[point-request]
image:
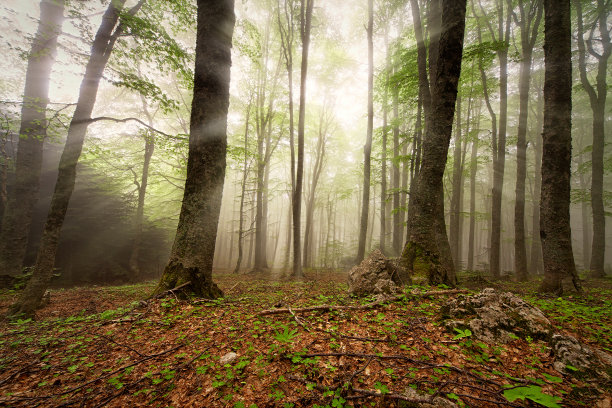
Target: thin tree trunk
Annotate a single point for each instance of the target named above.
(245, 171)
(383, 176)
(305, 26)
(456, 188)
(536, 262)
(473, 171)
(142, 191)
(100, 53)
(395, 177)
(597, 99)
(367, 149)
(17, 215)
(555, 227)
(529, 24)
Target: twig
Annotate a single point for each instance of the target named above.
(170, 291)
(329, 308)
(122, 345)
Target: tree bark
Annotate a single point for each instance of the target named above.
(367, 149)
(192, 254)
(455, 204)
(555, 229)
(473, 171)
(424, 249)
(17, 215)
(536, 264)
(101, 50)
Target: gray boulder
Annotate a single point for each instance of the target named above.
(376, 275)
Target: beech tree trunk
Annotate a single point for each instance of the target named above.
(17, 216)
(455, 204)
(473, 171)
(305, 26)
(555, 229)
(536, 264)
(142, 191)
(425, 250)
(528, 23)
(383, 176)
(367, 149)
(101, 50)
(192, 254)
(245, 172)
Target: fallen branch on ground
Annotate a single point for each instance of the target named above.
(328, 308)
(170, 291)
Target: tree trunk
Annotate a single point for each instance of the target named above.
(142, 191)
(395, 177)
(316, 173)
(383, 176)
(597, 99)
(455, 210)
(424, 249)
(194, 246)
(528, 24)
(555, 229)
(100, 53)
(536, 263)
(473, 171)
(367, 149)
(17, 216)
(245, 173)
(305, 25)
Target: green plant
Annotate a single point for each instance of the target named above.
(286, 336)
(533, 393)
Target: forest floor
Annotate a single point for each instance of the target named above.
(103, 346)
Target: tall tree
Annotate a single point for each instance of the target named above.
(555, 229)
(192, 254)
(149, 149)
(17, 216)
(528, 21)
(109, 31)
(501, 38)
(597, 98)
(305, 26)
(383, 175)
(425, 247)
(367, 149)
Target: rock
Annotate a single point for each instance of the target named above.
(228, 358)
(497, 317)
(376, 274)
(437, 402)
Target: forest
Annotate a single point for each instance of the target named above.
(305, 203)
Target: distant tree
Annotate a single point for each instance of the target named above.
(367, 149)
(191, 259)
(555, 229)
(305, 27)
(426, 247)
(528, 21)
(17, 216)
(597, 98)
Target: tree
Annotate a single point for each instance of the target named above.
(529, 23)
(192, 254)
(425, 247)
(597, 99)
(305, 25)
(367, 149)
(17, 216)
(101, 49)
(555, 228)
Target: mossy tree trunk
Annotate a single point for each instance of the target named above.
(17, 216)
(555, 230)
(428, 246)
(191, 259)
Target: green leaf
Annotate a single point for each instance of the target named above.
(533, 393)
